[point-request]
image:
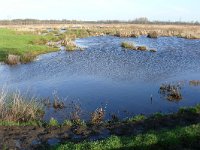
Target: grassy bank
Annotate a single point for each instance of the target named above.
(22, 44)
(160, 131)
(187, 137)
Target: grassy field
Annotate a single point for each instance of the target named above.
(21, 43)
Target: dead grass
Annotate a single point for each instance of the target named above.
(172, 92)
(17, 108)
(12, 59)
(185, 31)
(97, 116)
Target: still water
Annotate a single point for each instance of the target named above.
(105, 74)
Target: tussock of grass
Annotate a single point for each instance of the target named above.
(153, 34)
(97, 116)
(71, 46)
(53, 122)
(67, 123)
(142, 48)
(16, 108)
(128, 45)
(13, 59)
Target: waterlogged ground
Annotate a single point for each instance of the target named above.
(105, 74)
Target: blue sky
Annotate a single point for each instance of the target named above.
(185, 10)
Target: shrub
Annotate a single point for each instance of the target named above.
(153, 50)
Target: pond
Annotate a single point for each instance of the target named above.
(125, 82)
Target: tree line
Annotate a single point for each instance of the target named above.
(142, 20)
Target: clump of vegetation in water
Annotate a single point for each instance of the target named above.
(141, 48)
(172, 92)
(98, 116)
(128, 45)
(57, 103)
(153, 34)
(70, 46)
(75, 115)
(131, 46)
(194, 82)
(153, 50)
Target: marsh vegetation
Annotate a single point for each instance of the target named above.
(133, 132)
(137, 77)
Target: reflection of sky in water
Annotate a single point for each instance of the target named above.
(104, 72)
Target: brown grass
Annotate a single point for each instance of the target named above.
(185, 31)
(171, 92)
(98, 116)
(13, 59)
(15, 107)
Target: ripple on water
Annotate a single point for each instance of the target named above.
(106, 72)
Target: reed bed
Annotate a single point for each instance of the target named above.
(18, 108)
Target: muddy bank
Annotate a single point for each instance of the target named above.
(40, 137)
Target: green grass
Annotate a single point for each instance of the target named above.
(14, 123)
(20, 43)
(179, 138)
(137, 118)
(53, 122)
